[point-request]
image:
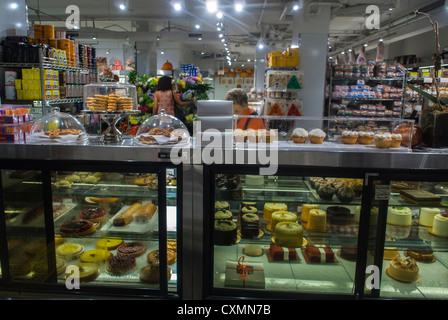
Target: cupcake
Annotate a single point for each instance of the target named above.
(223, 214)
(396, 140)
(299, 135)
(266, 136)
(382, 140)
(365, 137)
(317, 136)
(349, 137)
(345, 194)
(326, 191)
(252, 135)
(239, 135)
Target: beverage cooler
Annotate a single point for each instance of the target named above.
(351, 227)
(112, 225)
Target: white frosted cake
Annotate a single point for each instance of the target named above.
(440, 225)
(427, 216)
(253, 250)
(399, 216)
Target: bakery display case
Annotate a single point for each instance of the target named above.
(101, 229)
(287, 235)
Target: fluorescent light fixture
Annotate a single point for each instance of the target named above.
(212, 5)
(219, 15)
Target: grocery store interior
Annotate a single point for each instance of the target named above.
(133, 138)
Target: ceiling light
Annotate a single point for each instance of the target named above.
(219, 29)
(260, 45)
(94, 38)
(239, 5)
(380, 40)
(197, 26)
(221, 35)
(202, 53)
(248, 60)
(222, 40)
(212, 5)
(13, 5)
(158, 38)
(122, 7)
(366, 45)
(162, 52)
(219, 15)
(177, 6)
(199, 39)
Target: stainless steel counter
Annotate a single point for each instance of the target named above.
(330, 155)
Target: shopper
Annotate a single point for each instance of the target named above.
(165, 98)
(241, 108)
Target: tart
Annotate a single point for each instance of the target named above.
(153, 257)
(134, 249)
(77, 228)
(69, 251)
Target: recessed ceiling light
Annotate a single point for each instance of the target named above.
(13, 5)
(222, 40)
(122, 7)
(197, 26)
(260, 46)
(212, 5)
(219, 15)
(221, 35)
(163, 52)
(199, 39)
(177, 6)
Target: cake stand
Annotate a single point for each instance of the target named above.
(111, 135)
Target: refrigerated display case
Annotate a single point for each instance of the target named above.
(91, 227)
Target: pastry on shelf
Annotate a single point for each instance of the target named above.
(70, 251)
(151, 273)
(250, 226)
(326, 191)
(405, 270)
(318, 254)
(269, 208)
(133, 248)
(225, 233)
(77, 228)
(288, 234)
(427, 216)
(306, 211)
(153, 257)
(317, 221)
(440, 225)
(399, 216)
(349, 137)
(280, 216)
(316, 136)
(97, 256)
(299, 135)
(421, 254)
(120, 264)
(95, 215)
(345, 194)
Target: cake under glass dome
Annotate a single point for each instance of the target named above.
(162, 129)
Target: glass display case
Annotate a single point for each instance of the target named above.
(97, 229)
(284, 235)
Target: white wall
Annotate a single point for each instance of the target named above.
(13, 18)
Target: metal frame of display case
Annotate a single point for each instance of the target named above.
(51, 286)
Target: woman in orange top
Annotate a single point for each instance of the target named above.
(241, 108)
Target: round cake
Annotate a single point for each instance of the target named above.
(223, 214)
(87, 271)
(390, 253)
(339, 215)
(95, 256)
(269, 208)
(225, 232)
(95, 215)
(405, 270)
(135, 248)
(399, 216)
(253, 250)
(120, 264)
(280, 216)
(427, 216)
(109, 243)
(69, 251)
(77, 228)
(440, 225)
(151, 273)
(306, 211)
(250, 225)
(288, 234)
(317, 221)
(153, 257)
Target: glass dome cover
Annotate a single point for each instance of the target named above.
(162, 129)
(110, 97)
(58, 127)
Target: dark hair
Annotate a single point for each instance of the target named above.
(165, 84)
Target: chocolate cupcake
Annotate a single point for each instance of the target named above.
(250, 225)
(345, 194)
(326, 191)
(225, 232)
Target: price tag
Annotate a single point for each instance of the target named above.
(444, 80)
(382, 192)
(427, 80)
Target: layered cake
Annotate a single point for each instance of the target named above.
(306, 211)
(349, 252)
(288, 234)
(250, 225)
(278, 253)
(427, 216)
(421, 254)
(246, 204)
(269, 208)
(399, 216)
(248, 209)
(223, 214)
(405, 270)
(317, 221)
(318, 254)
(225, 232)
(440, 225)
(280, 216)
(339, 215)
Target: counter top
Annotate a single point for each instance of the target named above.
(326, 155)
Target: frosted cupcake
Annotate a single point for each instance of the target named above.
(239, 135)
(252, 135)
(267, 136)
(349, 137)
(365, 137)
(317, 136)
(382, 140)
(396, 140)
(299, 135)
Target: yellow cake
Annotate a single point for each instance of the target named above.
(317, 221)
(399, 216)
(306, 211)
(280, 216)
(269, 208)
(288, 234)
(405, 270)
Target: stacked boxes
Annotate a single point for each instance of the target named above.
(15, 123)
(51, 84)
(29, 87)
(288, 58)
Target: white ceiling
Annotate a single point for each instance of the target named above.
(144, 20)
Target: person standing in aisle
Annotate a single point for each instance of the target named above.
(241, 108)
(165, 98)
